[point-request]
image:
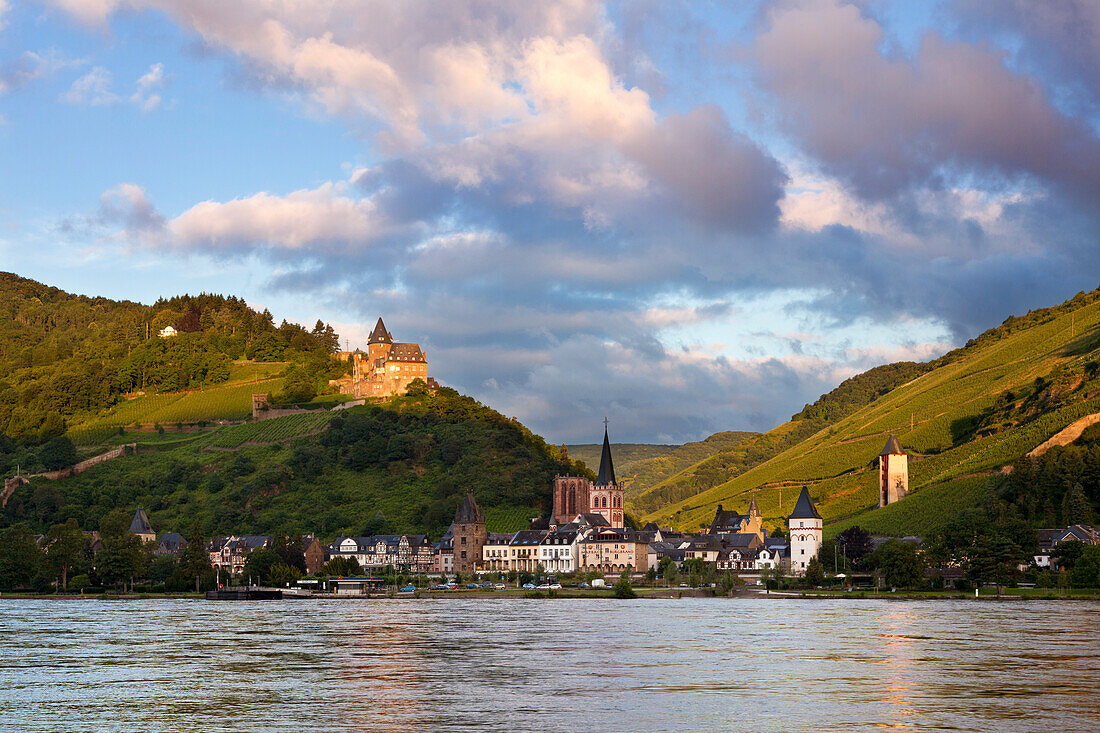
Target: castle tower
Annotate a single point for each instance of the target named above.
(807, 530)
(754, 520)
(469, 534)
(378, 346)
(893, 473)
(606, 495)
(141, 527)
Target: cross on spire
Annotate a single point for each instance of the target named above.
(605, 422)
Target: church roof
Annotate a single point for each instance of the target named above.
(469, 512)
(893, 447)
(725, 519)
(406, 352)
(140, 523)
(804, 508)
(752, 506)
(607, 468)
(380, 335)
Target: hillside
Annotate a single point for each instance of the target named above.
(627, 455)
(713, 462)
(964, 419)
(402, 466)
(66, 360)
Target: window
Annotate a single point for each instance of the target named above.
(463, 540)
(463, 554)
(803, 552)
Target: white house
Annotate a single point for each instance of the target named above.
(168, 332)
(558, 551)
(807, 532)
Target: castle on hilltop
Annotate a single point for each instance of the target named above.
(386, 369)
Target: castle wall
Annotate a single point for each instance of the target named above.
(893, 478)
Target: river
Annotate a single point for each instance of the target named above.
(549, 665)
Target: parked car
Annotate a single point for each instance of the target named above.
(555, 586)
(499, 586)
(528, 585)
(452, 586)
(408, 589)
(486, 584)
(473, 586)
(584, 585)
(543, 586)
(441, 586)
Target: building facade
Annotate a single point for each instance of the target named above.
(386, 369)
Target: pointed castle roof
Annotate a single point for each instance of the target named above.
(380, 335)
(607, 468)
(140, 523)
(753, 509)
(893, 447)
(804, 508)
(469, 512)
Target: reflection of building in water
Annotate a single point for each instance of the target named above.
(899, 656)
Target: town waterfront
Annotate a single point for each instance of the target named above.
(533, 665)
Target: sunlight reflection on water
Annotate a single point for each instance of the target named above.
(524, 665)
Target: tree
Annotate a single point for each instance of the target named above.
(855, 542)
(900, 563)
(1076, 508)
(342, 567)
(195, 560)
(67, 550)
(19, 557)
(815, 573)
(290, 550)
(259, 563)
(623, 589)
(1086, 571)
(1065, 554)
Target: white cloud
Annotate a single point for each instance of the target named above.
(148, 86)
(94, 88)
(4, 8)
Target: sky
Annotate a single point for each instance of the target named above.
(684, 216)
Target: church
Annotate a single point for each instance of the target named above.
(386, 369)
(575, 495)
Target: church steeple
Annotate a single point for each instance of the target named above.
(607, 468)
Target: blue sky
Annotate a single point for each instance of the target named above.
(688, 217)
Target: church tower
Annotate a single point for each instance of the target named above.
(807, 530)
(893, 473)
(606, 495)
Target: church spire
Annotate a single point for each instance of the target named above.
(607, 468)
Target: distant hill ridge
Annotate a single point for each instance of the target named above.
(964, 417)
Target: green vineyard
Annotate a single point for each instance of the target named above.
(275, 430)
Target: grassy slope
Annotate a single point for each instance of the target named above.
(626, 455)
(838, 462)
(172, 474)
(229, 401)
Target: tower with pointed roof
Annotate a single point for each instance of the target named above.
(387, 368)
(468, 533)
(893, 473)
(140, 526)
(807, 532)
(575, 495)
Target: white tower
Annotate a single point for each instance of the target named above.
(893, 473)
(807, 530)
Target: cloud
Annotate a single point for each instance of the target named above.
(150, 83)
(94, 88)
(4, 8)
(886, 124)
(27, 67)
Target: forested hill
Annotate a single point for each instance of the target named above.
(66, 357)
(399, 466)
(968, 421)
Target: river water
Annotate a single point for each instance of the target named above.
(551, 665)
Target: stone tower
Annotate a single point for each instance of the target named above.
(469, 535)
(379, 344)
(807, 530)
(893, 473)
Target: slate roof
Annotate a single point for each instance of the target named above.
(743, 540)
(804, 508)
(725, 520)
(406, 353)
(607, 467)
(140, 523)
(171, 542)
(380, 335)
(498, 538)
(893, 447)
(469, 512)
(595, 520)
(527, 537)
